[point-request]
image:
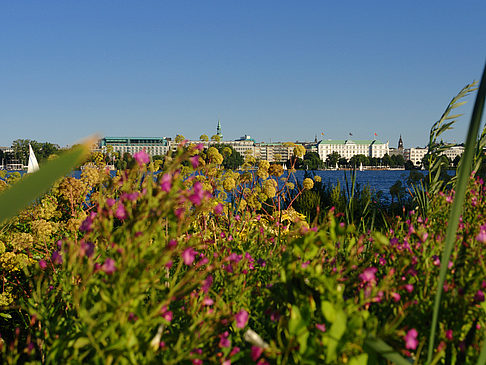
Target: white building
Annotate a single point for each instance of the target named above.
(415, 155)
(152, 145)
(349, 148)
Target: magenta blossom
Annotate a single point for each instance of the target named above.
(189, 255)
(109, 266)
(368, 275)
(410, 338)
(218, 209)
(42, 264)
(110, 202)
(166, 182)
(194, 161)
(481, 237)
(321, 327)
(448, 335)
(241, 318)
(56, 258)
(256, 352)
(87, 225)
(479, 296)
(224, 341)
(120, 212)
(197, 193)
(141, 157)
(166, 314)
(408, 287)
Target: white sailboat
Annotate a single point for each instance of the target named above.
(33, 166)
(361, 166)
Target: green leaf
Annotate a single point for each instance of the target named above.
(457, 205)
(81, 342)
(386, 351)
(359, 360)
(296, 323)
(32, 186)
(328, 311)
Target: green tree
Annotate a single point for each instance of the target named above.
(179, 138)
(216, 138)
(397, 161)
(232, 158)
(342, 161)
(312, 161)
(333, 159)
(204, 137)
(386, 160)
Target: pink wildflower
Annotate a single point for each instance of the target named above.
(120, 212)
(194, 161)
(141, 157)
(197, 193)
(321, 327)
(56, 258)
(42, 264)
(110, 202)
(241, 318)
(109, 266)
(189, 255)
(224, 341)
(448, 335)
(368, 275)
(481, 237)
(172, 244)
(166, 314)
(208, 301)
(166, 182)
(395, 296)
(410, 338)
(218, 209)
(256, 352)
(479, 296)
(408, 287)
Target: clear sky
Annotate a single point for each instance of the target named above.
(275, 70)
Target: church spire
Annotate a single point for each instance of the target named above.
(218, 130)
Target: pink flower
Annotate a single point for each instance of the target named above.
(166, 182)
(87, 248)
(42, 264)
(410, 338)
(141, 157)
(87, 225)
(208, 301)
(368, 275)
(120, 212)
(110, 202)
(321, 327)
(109, 266)
(395, 296)
(256, 352)
(241, 318)
(172, 244)
(194, 161)
(449, 199)
(481, 237)
(198, 193)
(56, 258)
(408, 287)
(199, 146)
(224, 341)
(479, 296)
(218, 209)
(448, 335)
(189, 255)
(436, 260)
(197, 362)
(166, 314)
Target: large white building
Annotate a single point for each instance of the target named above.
(349, 148)
(417, 154)
(152, 145)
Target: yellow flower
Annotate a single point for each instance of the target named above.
(269, 188)
(262, 173)
(317, 178)
(276, 170)
(308, 184)
(290, 185)
(299, 150)
(229, 184)
(264, 165)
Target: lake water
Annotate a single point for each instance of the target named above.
(377, 180)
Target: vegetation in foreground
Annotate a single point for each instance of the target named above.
(161, 268)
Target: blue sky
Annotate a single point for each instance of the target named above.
(275, 70)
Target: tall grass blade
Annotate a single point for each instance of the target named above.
(482, 355)
(461, 185)
(30, 187)
(386, 351)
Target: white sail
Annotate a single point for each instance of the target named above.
(33, 165)
(361, 166)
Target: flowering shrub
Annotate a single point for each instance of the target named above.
(198, 264)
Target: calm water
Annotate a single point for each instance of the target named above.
(377, 180)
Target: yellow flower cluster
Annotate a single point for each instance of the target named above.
(299, 150)
(270, 188)
(308, 183)
(21, 241)
(317, 178)
(229, 184)
(214, 156)
(43, 229)
(276, 170)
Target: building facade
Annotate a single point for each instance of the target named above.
(152, 145)
(349, 148)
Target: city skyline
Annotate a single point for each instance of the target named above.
(272, 70)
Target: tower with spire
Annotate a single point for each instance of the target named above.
(400, 145)
(218, 130)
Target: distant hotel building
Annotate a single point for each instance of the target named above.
(152, 145)
(416, 155)
(349, 148)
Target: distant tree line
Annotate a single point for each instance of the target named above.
(20, 151)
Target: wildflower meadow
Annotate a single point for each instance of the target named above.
(187, 262)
